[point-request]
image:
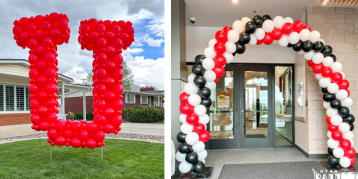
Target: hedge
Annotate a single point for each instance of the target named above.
(79, 116)
(143, 114)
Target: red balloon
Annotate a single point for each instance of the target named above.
(91, 143)
(44, 125)
(353, 160)
(276, 34)
(192, 118)
(219, 60)
(344, 84)
(186, 108)
(337, 135)
(349, 93)
(259, 42)
(216, 79)
(35, 119)
(219, 48)
(221, 36)
(332, 128)
(199, 128)
(317, 68)
(99, 136)
(298, 26)
(52, 133)
(204, 137)
(60, 141)
(307, 27)
(345, 144)
(287, 28)
(219, 71)
(60, 125)
(75, 142)
(350, 153)
(108, 128)
(328, 120)
(326, 72)
(226, 29)
(310, 63)
(267, 39)
(336, 77)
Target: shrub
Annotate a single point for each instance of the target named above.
(89, 116)
(143, 114)
(79, 116)
(70, 113)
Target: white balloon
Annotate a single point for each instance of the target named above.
(341, 94)
(194, 99)
(209, 52)
(348, 135)
(329, 134)
(352, 142)
(268, 26)
(317, 58)
(322, 41)
(180, 157)
(332, 88)
(309, 55)
(278, 21)
(253, 39)
(338, 152)
(348, 102)
(230, 47)
(336, 120)
(343, 75)
(331, 112)
(202, 155)
(331, 143)
(288, 20)
(336, 67)
(204, 119)
(327, 61)
(259, 34)
(326, 105)
(318, 76)
(186, 128)
(210, 85)
(200, 110)
(209, 76)
(283, 42)
(344, 127)
(208, 63)
(305, 34)
(229, 57)
(232, 36)
(190, 88)
(185, 167)
(324, 82)
(244, 20)
(199, 146)
(191, 78)
(301, 52)
(182, 118)
(344, 162)
(315, 36)
(192, 138)
(212, 42)
(238, 26)
(293, 38)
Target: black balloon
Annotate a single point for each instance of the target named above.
(327, 50)
(199, 167)
(250, 27)
(200, 81)
(198, 69)
(244, 38)
(192, 158)
(289, 45)
(181, 137)
(324, 90)
(328, 97)
(349, 119)
(333, 160)
(318, 46)
(330, 151)
(298, 46)
(204, 92)
(334, 57)
(184, 148)
(199, 59)
(240, 48)
(307, 46)
(258, 21)
(336, 103)
(351, 127)
(343, 111)
(233, 54)
(206, 102)
(266, 17)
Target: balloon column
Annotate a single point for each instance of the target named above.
(231, 40)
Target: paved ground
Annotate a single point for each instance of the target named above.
(128, 128)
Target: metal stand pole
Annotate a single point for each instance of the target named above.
(51, 151)
(102, 153)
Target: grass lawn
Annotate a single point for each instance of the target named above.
(121, 159)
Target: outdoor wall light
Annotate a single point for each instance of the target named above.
(235, 0)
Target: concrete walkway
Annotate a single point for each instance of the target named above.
(129, 128)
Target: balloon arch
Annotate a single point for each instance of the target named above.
(231, 40)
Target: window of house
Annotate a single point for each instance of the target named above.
(144, 100)
(130, 98)
(14, 98)
(155, 101)
(150, 101)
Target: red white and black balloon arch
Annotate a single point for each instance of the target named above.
(209, 68)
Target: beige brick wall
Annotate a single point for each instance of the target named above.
(338, 27)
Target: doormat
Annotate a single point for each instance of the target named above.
(282, 170)
(255, 136)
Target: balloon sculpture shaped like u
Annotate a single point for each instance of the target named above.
(42, 34)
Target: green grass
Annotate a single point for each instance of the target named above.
(121, 159)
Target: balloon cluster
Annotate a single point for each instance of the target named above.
(262, 29)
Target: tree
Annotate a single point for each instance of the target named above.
(128, 77)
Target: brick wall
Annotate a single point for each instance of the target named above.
(146, 89)
(338, 27)
(15, 119)
(75, 104)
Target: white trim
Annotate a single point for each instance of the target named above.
(141, 99)
(15, 98)
(14, 112)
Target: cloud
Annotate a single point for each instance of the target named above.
(135, 50)
(154, 43)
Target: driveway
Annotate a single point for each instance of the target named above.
(143, 128)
